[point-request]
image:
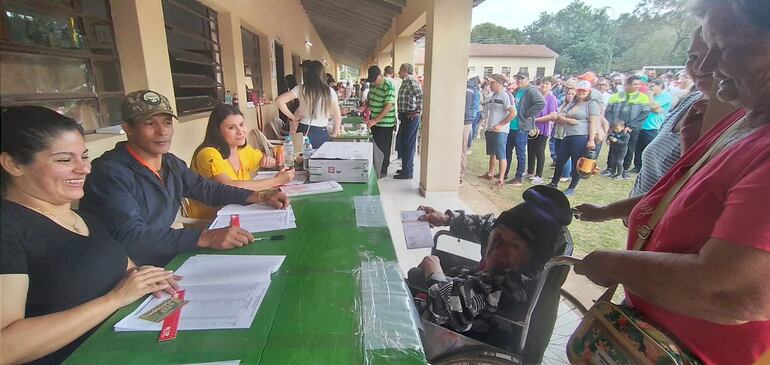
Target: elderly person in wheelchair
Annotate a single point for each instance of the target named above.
(515, 247)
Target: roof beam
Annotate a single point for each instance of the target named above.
(352, 12)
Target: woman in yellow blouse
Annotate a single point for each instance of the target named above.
(224, 156)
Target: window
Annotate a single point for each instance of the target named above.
(193, 47)
(472, 71)
(488, 71)
(540, 72)
(251, 64)
(524, 69)
(507, 71)
(61, 55)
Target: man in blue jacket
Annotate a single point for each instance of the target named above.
(136, 189)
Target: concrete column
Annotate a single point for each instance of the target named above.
(403, 51)
(446, 62)
(231, 47)
(140, 36)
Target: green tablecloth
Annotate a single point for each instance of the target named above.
(310, 315)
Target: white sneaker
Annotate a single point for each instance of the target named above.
(565, 179)
(470, 152)
(537, 180)
(528, 176)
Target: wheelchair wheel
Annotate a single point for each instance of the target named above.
(478, 358)
(569, 316)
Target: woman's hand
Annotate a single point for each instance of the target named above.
(553, 116)
(593, 267)
(267, 162)
(335, 132)
(434, 218)
(591, 145)
(590, 212)
(284, 176)
(430, 265)
(140, 282)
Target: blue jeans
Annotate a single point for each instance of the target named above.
(318, 135)
(408, 143)
(571, 147)
(552, 147)
(567, 165)
(517, 140)
(474, 129)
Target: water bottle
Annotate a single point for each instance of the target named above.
(307, 152)
(228, 98)
(288, 150)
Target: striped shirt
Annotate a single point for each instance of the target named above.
(665, 150)
(379, 96)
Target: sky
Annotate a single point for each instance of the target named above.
(520, 13)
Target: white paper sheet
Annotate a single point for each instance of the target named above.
(417, 235)
(257, 222)
(369, 211)
(224, 291)
(210, 307)
(228, 269)
(256, 217)
(411, 215)
(300, 177)
(312, 188)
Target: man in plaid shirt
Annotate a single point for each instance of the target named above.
(409, 110)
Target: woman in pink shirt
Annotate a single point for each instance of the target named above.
(703, 276)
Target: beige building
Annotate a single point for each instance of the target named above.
(80, 57)
(486, 59)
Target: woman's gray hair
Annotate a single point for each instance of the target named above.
(755, 12)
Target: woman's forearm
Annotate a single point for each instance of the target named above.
(32, 338)
(621, 208)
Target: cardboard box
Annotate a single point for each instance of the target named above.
(341, 162)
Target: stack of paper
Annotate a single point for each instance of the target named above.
(300, 177)
(256, 217)
(417, 234)
(224, 292)
(312, 188)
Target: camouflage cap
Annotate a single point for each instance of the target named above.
(143, 104)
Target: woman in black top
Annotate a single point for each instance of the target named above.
(61, 274)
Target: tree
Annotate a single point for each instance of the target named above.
(580, 34)
(488, 33)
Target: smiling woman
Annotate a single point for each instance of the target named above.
(61, 274)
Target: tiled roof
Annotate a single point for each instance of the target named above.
(498, 50)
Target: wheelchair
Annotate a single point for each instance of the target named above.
(522, 340)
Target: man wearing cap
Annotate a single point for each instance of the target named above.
(409, 109)
(529, 103)
(136, 189)
(501, 113)
(382, 103)
(632, 107)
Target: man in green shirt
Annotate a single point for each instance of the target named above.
(381, 101)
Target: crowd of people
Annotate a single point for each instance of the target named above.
(574, 116)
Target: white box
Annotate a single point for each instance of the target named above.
(341, 162)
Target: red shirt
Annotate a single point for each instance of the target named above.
(727, 199)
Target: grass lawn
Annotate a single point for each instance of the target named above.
(597, 190)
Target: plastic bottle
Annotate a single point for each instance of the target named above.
(235, 100)
(288, 151)
(307, 152)
(228, 98)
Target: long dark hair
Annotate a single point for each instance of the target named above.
(27, 130)
(315, 89)
(213, 136)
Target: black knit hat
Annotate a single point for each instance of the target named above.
(538, 220)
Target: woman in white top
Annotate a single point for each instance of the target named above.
(317, 103)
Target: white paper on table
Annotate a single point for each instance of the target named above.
(417, 235)
(228, 269)
(256, 217)
(312, 188)
(300, 177)
(209, 307)
(411, 215)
